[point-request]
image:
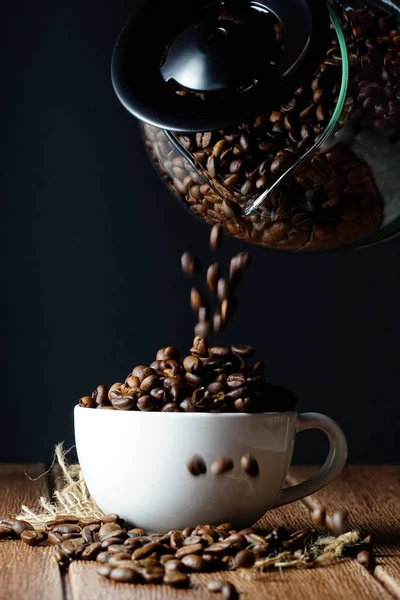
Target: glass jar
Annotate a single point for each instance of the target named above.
(316, 171)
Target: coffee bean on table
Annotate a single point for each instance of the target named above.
(190, 263)
(32, 538)
(249, 465)
(229, 591)
(6, 531)
(221, 465)
(318, 516)
(215, 586)
(176, 579)
(366, 559)
(194, 563)
(124, 575)
(337, 522)
(244, 559)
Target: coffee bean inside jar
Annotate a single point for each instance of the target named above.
(332, 196)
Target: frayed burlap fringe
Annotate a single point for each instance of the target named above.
(325, 550)
(72, 497)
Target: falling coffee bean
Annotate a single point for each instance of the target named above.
(196, 465)
(221, 465)
(190, 263)
(249, 465)
(215, 236)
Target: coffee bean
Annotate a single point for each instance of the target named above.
(318, 516)
(337, 522)
(215, 586)
(244, 559)
(215, 236)
(104, 570)
(123, 575)
(190, 549)
(199, 346)
(242, 350)
(221, 465)
(196, 465)
(190, 263)
(32, 538)
(223, 289)
(176, 579)
(213, 275)
(91, 551)
(87, 402)
(196, 299)
(6, 531)
(192, 364)
(366, 559)
(194, 563)
(229, 592)
(249, 465)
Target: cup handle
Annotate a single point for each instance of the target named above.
(333, 465)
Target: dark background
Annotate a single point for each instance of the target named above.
(91, 258)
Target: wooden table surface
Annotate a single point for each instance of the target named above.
(370, 494)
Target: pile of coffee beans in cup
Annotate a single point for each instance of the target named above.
(128, 554)
(329, 200)
(209, 379)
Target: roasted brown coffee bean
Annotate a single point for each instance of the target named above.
(215, 586)
(196, 465)
(318, 516)
(213, 274)
(176, 579)
(366, 559)
(104, 570)
(149, 383)
(124, 575)
(110, 529)
(87, 402)
(18, 525)
(192, 364)
(199, 346)
(32, 538)
(153, 574)
(136, 532)
(91, 551)
(229, 592)
(242, 350)
(66, 528)
(249, 465)
(103, 557)
(223, 289)
(6, 531)
(190, 549)
(221, 465)
(194, 563)
(215, 236)
(100, 395)
(196, 299)
(337, 522)
(148, 403)
(190, 264)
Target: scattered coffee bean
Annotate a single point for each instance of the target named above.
(229, 591)
(249, 465)
(366, 559)
(176, 579)
(32, 538)
(123, 575)
(221, 465)
(319, 516)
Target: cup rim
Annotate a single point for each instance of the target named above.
(198, 415)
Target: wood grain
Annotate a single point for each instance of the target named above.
(371, 494)
(343, 581)
(26, 573)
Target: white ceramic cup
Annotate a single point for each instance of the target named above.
(134, 464)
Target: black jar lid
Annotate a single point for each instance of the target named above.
(225, 51)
